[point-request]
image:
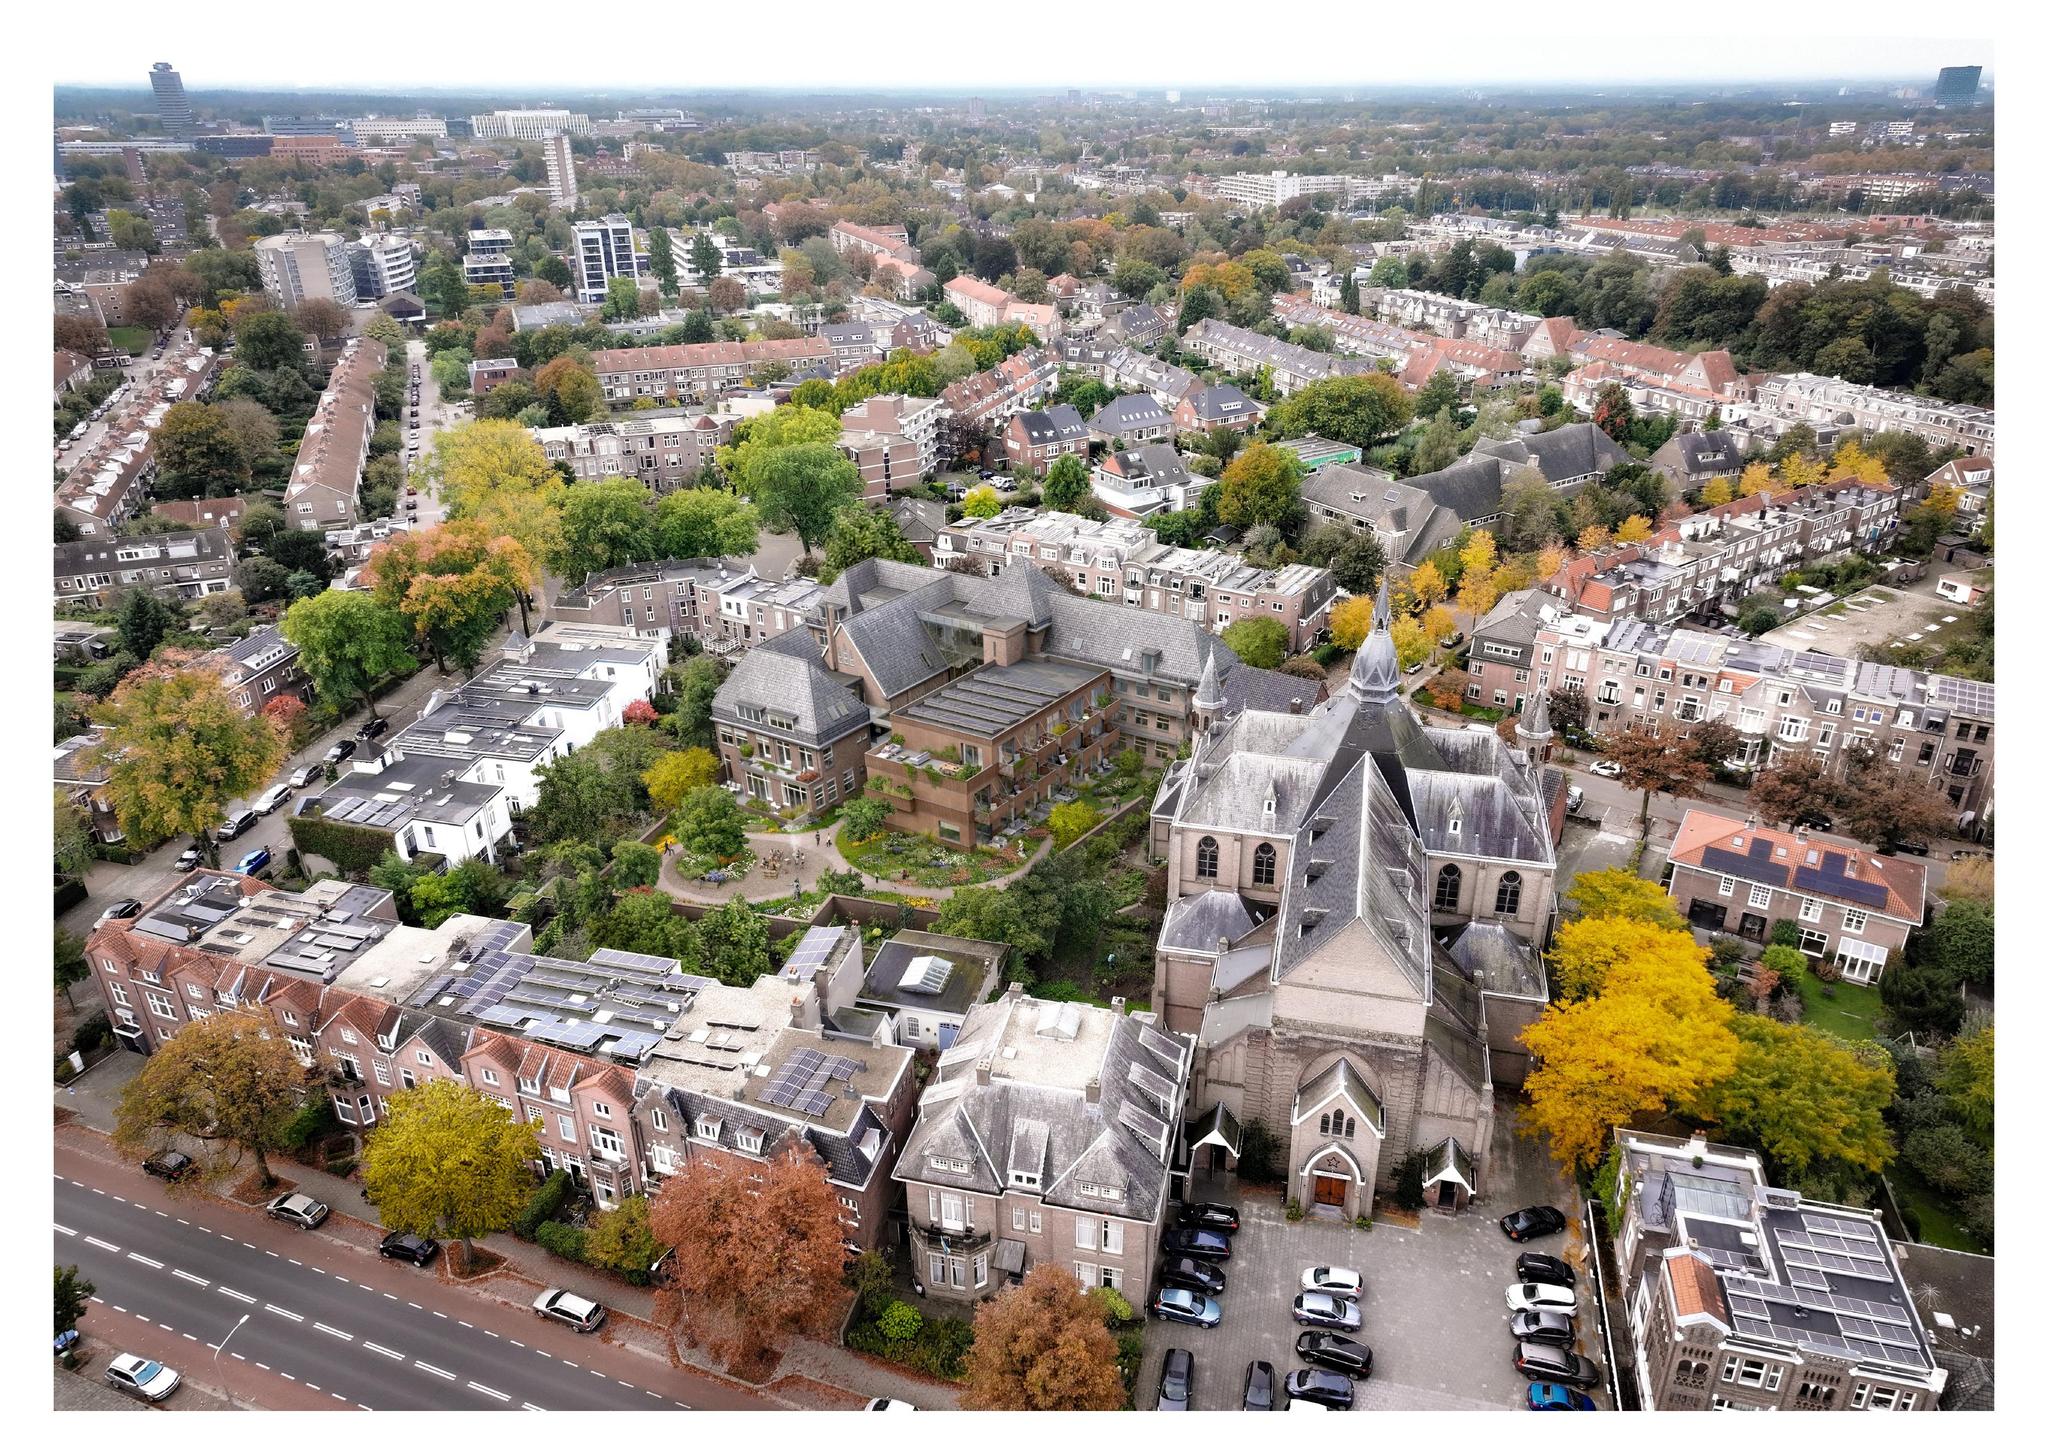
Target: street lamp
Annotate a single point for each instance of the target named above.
(216, 1359)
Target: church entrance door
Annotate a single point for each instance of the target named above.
(1330, 1191)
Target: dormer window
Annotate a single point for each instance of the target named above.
(707, 1130)
(348, 1036)
(952, 1164)
(1027, 1179)
(750, 1139)
(529, 1086)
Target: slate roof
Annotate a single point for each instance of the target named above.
(792, 682)
(1129, 414)
(1497, 960)
(1221, 403)
(1573, 450)
(1195, 923)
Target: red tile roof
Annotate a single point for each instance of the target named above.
(1905, 880)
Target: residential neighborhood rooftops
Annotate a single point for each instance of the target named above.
(992, 700)
(1779, 859)
(931, 973)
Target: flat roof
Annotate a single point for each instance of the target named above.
(990, 701)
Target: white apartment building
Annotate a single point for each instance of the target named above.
(528, 125)
(383, 265)
(372, 129)
(1273, 188)
(604, 249)
(1804, 397)
(301, 266)
(561, 162)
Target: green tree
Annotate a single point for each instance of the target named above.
(996, 915)
(579, 798)
(1967, 1079)
(605, 524)
(1066, 483)
(981, 502)
(706, 260)
(449, 1161)
(621, 299)
(224, 1080)
(734, 941)
(1362, 410)
(199, 453)
(177, 748)
(349, 643)
(1961, 941)
(710, 825)
(74, 1295)
(1262, 485)
(269, 341)
(860, 533)
(1260, 642)
(142, 620)
(1069, 822)
(1803, 1098)
(1437, 448)
(696, 688)
(864, 818)
(705, 522)
(621, 1240)
(802, 488)
(635, 865)
(71, 842)
(661, 259)
(758, 437)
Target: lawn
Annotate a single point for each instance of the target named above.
(132, 340)
(1937, 1226)
(929, 861)
(1852, 1014)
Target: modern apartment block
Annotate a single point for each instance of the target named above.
(300, 266)
(1273, 188)
(701, 371)
(561, 164)
(601, 250)
(664, 448)
(528, 125)
(488, 262)
(383, 265)
(327, 475)
(399, 130)
(1745, 1297)
(891, 439)
(172, 109)
(1124, 561)
(1048, 1134)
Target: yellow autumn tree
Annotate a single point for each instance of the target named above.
(1478, 591)
(1479, 553)
(1620, 894)
(1943, 499)
(1594, 538)
(1852, 464)
(1715, 493)
(1635, 529)
(1549, 561)
(1588, 949)
(1350, 621)
(1654, 1040)
(1427, 584)
(1799, 470)
(1755, 478)
(1410, 645)
(1438, 625)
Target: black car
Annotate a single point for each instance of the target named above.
(1906, 846)
(169, 1166)
(1206, 1245)
(1547, 1327)
(1541, 1270)
(342, 749)
(1555, 1364)
(1813, 819)
(1337, 1352)
(403, 1246)
(236, 825)
(374, 728)
(1207, 1215)
(1194, 1275)
(1532, 1221)
(1177, 1381)
(1260, 1388)
(1316, 1385)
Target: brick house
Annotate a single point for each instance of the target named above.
(1849, 903)
(1132, 421)
(1034, 439)
(788, 734)
(585, 1108)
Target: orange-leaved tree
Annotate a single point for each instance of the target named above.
(1042, 1346)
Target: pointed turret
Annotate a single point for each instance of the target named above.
(1376, 673)
(1532, 729)
(1209, 701)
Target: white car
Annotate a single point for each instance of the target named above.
(1535, 1296)
(889, 1404)
(1340, 1281)
(141, 1377)
(1605, 768)
(574, 1311)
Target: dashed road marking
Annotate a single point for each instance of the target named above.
(103, 1245)
(135, 1256)
(338, 1277)
(384, 1351)
(188, 1276)
(337, 1396)
(531, 1408)
(66, 1230)
(295, 1261)
(488, 1391)
(470, 1324)
(245, 1300)
(387, 1295)
(332, 1330)
(430, 1367)
(280, 1311)
(322, 1272)
(287, 1375)
(238, 1356)
(122, 1309)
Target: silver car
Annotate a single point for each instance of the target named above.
(297, 1208)
(1317, 1308)
(574, 1311)
(141, 1377)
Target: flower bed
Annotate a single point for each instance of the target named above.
(929, 861)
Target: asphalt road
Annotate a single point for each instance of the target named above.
(329, 1324)
(435, 415)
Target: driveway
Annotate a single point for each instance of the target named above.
(1434, 1305)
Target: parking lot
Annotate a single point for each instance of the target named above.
(1434, 1304)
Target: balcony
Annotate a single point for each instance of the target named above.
(952, 1238)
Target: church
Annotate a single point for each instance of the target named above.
(1357, 907)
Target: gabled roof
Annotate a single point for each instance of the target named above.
(792, 684)
(1829, 869)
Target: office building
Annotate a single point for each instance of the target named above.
(171, 106)
(373, 130)
(561, 163)
(527, 125)
(300, 266)
(604, 249)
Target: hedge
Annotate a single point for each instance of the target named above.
(315, 1119)
(562, 1239)
(542, 1205)
(352, 848)
(70, 891)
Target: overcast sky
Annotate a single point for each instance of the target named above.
(796, 44)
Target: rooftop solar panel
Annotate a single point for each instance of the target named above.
(1757, 869)
(1840, 886)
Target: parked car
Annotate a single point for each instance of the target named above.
(1554, 1364)
(1906, 846)
(374, 728)
(1194, 1275)
(238, 823)
(1540, 1296)
(1338, 1353)
(1206, 1245)
(1553, 1397)
(1813, 819)
(1338, 1281)
(1177, 1381)
(415, 492)
(254, 862)
(121, 909)
(888, 1404)
(1534, 1266)
(571, 1310)
(169, 1166)
(1605, 768)
(299, 1209)
(1261, 1388)
(1314, 1308)
(1532, 1221)
(188, 861)
(303, 776)
(342, 749)
(1325, 1388)
(404, 1246)
(273, 799)
(1177, 1303)
(1574, 799)
(1206, 1215)
(1548, 1327)
(143, 1378)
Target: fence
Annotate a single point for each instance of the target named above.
(1606, 1271)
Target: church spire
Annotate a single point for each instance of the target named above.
(1532, 729)
(1376, 673)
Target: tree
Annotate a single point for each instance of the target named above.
(622, 1239)
(864, 818)
(1967, 1079)
(980, 912)
(734, 940)
(710, 825)
(981, 502)
(860, 533)
(1260, 642)
(758, 1255)
(71, 836)
(1654, 1039)
(1362, 410)
(1351, 621)
(453, 584)
(1427, 583)
(706, 259)
(661, 259)
(1656, 766)
(449, 1161)
(705, 522)
(254, 427)
(1883, 807)
(177, 748)
(621, 299)
(726, 294)
(199, 453)
(142, 620)
(1042, 1346)
(1620, 894)
(1066, 483)
(605, 524)
(1803, 1098)
(1356, 566)
(319, 317)
(696, 687)
(223, 1079)
(1588, 948)
(569, 387)
(1262, 484)
(801, 488)
(1069, 822)
(579, 798)
(1634, 529)
(1961, 942)
(787, 426)
(74, 1295)
(1795, 788)
(677, 773)
(348, 643)
(268, 341)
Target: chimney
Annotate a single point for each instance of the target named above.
(1016, 990)
(1095, 1091)
(983, 1069)
(796, 1010)
(1116, 1004)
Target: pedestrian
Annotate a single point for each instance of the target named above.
(818, 840)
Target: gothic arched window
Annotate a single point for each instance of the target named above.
(1206, 855)
(1448, 883)
(1265, 863)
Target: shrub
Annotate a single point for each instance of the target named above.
(900, 1321)
(91, 1034)
(542, 1205)
(1293, 1209)
(563, 1240)
(315, 1119)
(1408, 1181)
(354, 850)
(1258, 1154)
(1785, 932)
(343, 1167)
(1116, 1307)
